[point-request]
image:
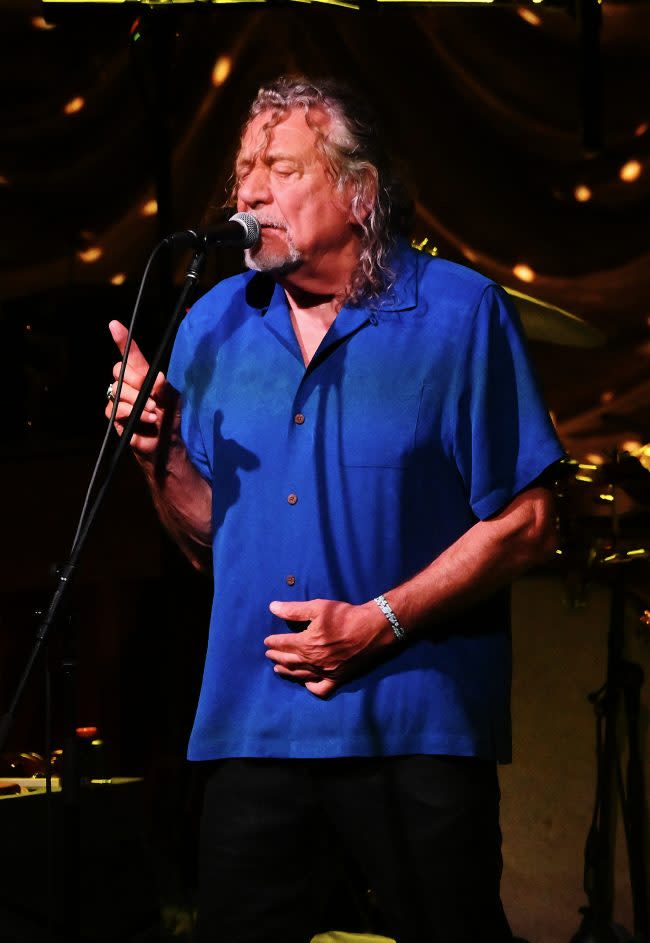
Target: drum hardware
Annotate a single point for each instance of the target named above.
(541, 321)
(546, 322)
(600, 537)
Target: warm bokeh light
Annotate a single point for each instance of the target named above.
(4, 181)
(606, 397)
(594, 458)
(39, 22)
(118, 279)
(524, 272)
(150, 208)
(469, 253)
(529, 16)
(74, 105)
(582, 193)
(91, 254)
(641, 129)
(630, 445)
(221, 71)
(631, 171)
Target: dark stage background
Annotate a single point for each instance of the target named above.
(104, 111)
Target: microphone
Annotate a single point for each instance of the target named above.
(242, 231)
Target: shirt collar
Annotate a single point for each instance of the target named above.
(264, 293)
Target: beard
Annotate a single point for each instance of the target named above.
(277, 259)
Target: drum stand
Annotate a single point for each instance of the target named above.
(622, 687)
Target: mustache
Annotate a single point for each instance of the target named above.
(269, 222)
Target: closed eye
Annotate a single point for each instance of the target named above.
(283, 169)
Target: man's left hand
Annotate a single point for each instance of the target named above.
(338, 642)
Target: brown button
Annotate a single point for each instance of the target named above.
(292, 499)
(299, 419)
(290, 580)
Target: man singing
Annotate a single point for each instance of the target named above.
(359, 440)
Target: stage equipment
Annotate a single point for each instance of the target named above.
(70, 778)
(600, 542)
(118, 886)
(241, 231)
(545, 322)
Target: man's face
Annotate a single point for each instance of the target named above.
(283, 181)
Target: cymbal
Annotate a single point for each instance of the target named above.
(626, 470)
(544, 322)
(625, 557)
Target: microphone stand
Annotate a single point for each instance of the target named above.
(70, 771)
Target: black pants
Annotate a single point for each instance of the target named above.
(423, 830)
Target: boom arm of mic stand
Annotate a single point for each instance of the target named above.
(64, 576)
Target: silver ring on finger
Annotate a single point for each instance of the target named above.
(109, 393)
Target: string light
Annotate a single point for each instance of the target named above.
(469, 253)
(529, 16)
(606, 397)
(641, 129)
(150, 208)
(39, 22)
(91, 254)
(74, 105)
(630, 171)
(524, 272)
(221, 70)
(133, 32)
(118, 279)
(582, 193)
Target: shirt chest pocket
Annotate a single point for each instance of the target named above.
(377, 424)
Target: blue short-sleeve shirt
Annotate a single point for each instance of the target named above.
(418, 415)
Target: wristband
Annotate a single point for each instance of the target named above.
(384, 605)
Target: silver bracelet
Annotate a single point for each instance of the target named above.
(384, 605)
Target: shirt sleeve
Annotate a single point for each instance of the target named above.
(184, 375)
(503, 436)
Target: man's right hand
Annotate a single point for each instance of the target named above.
(145, 441)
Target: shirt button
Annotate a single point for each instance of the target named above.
(290, 580)
(299, 419)
(292, 499)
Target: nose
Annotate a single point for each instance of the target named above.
(254, 188)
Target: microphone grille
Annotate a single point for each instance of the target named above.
(251, 225)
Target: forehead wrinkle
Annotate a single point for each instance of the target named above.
(264, 131)
(319, 121)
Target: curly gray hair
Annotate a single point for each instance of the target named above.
(355, 153)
